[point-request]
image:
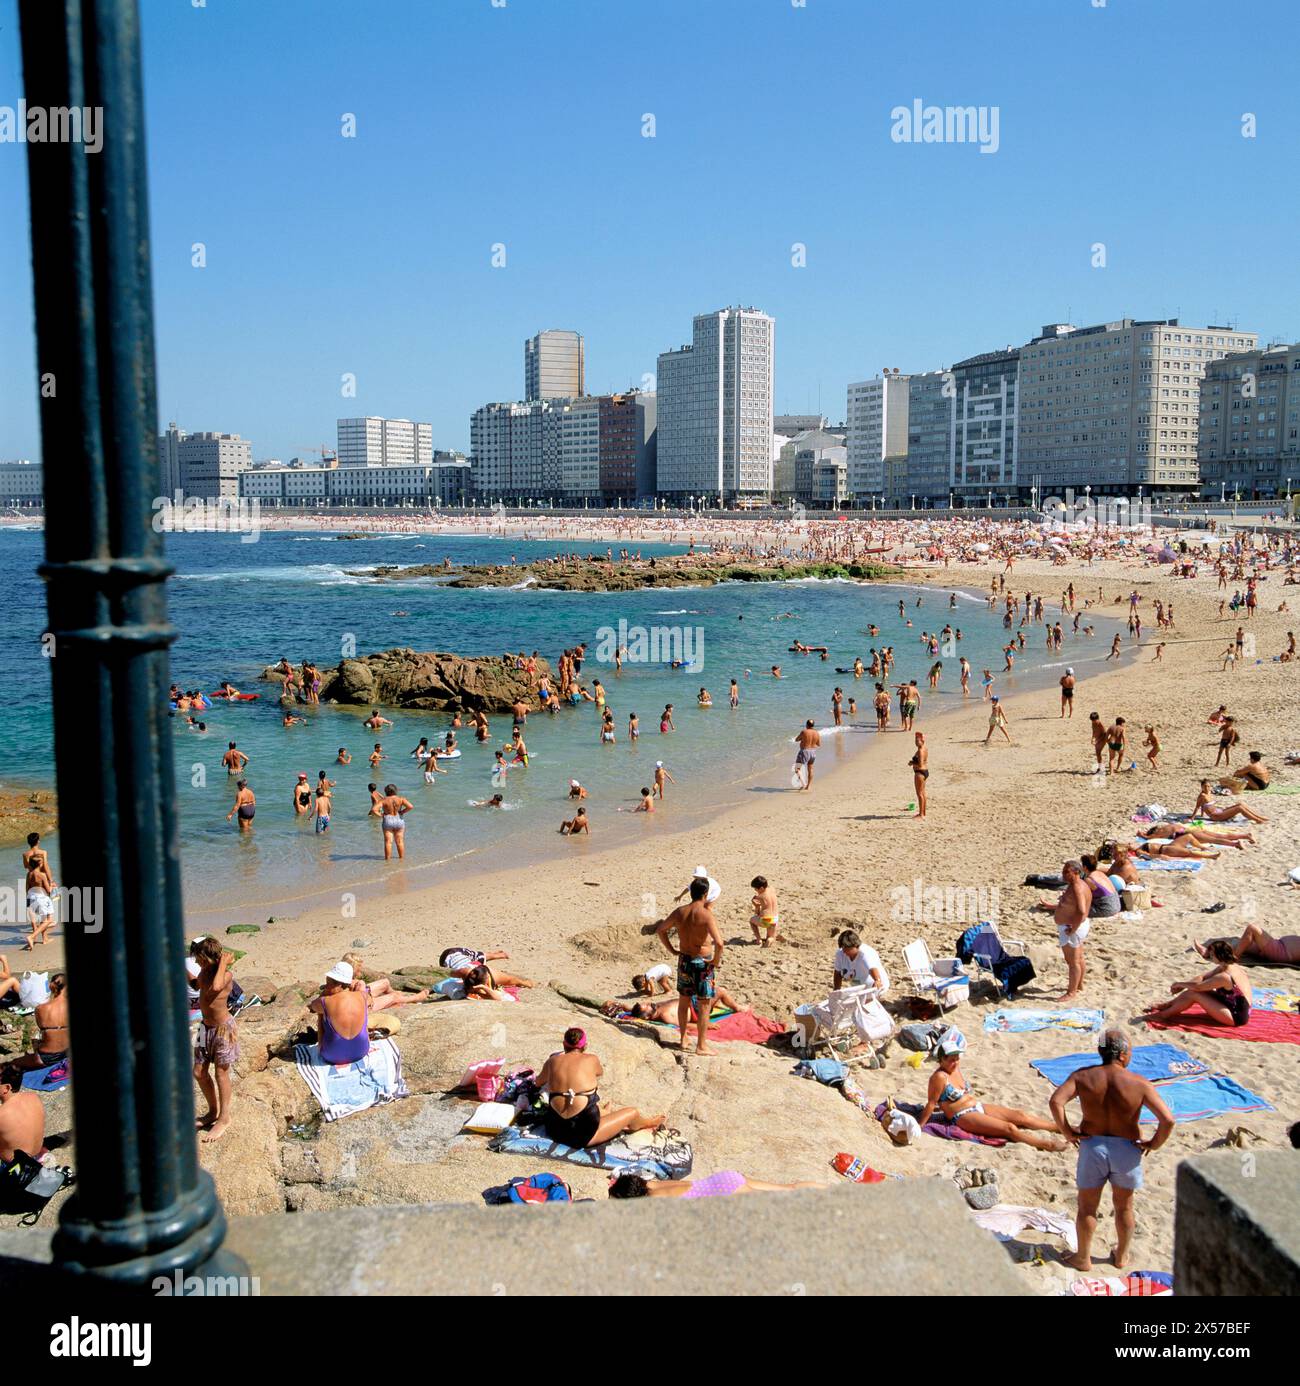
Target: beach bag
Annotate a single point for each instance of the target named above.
(26, 1186)
(922, 1037)
(540, 1188)
(34, 988)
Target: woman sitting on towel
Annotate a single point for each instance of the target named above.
(344, 1011)
(951, 1093)
(1223, 993)
(573, 1116)
(381, 991)
(719, 1185)
(1206, 808)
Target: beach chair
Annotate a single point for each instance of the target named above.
(993, 957)
(845, 1018)
(941, 976)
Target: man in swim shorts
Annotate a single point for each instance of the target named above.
(1110, 1141)
(809, 739)
(699, 953)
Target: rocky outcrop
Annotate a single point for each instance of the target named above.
(430, 681)
(601, 575)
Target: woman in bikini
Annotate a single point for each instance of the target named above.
(951, 1093)
(1205, 807)
(572, 1114)
(1203, 837)
(920, 764)
(1223, 993)
(1255, 942)
(721, 1184)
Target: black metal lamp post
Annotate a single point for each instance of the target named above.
(142, 1207)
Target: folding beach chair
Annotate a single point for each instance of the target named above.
(941, 976)
(846, 1018)
(1003, 961)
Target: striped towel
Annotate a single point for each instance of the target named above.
(1169, 864)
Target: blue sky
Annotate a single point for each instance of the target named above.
(521, 124)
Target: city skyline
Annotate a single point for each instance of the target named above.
(847, 236)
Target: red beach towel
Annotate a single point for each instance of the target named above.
(743, 1025)
(1267, 1027)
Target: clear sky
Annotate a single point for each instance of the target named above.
(521, 124)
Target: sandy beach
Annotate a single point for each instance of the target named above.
(847, 854)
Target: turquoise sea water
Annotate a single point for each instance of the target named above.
(239, 607)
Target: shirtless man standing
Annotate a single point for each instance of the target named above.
(41, 914)
(234, 760)
(809, 739)
(699, 954)
(1111, 1148)
(1067, 693)
(217, 1043)
(1098, 729)
(22, 1118)
(1070, 911)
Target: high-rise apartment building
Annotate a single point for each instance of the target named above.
(877, 428)
(595, 448)
(1116, 406)
(375, 442)
(554, 365)
(931, 420)
(1250, 424)
(715, 409)
(983, 450)
(203, 466)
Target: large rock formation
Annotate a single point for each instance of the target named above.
(429, 681)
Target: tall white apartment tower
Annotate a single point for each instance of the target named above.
(715, 409)
(375, 442)
(554, 365)
(877, 428)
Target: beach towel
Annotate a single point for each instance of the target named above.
(1169, 864)
(51, 1078)
(1005, 1220)
(829, 1071)
(1264, 1027)
(1281, 789)
(1204, 1096)
(730, 1026)
(664, 1158)
(1137, 1283)
(940, 1126)
(1154, 1062)
(345, 1089)
(1268, 999)
(1020, 1021)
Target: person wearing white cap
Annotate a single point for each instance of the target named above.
(576, 791)
(660, 776)
(951, 1094)
(1067, 693)
(701, 874)
(344, 1011)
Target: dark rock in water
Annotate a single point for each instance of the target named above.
(429, 681)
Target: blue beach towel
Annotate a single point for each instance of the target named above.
(665, 1159)
(1155, 1062)
(345, 1089)
(52, 1078)
(1023, 1019)
(1206, 1095)
(828, 1071)
(1169, 864)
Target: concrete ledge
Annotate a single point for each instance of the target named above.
(905, 1237)
(1237, 1224)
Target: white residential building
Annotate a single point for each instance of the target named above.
(376, 442)
(877, 428)
(715, 409)
(20, 483)
(203, 466)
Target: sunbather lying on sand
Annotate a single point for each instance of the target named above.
(722, 1184)
(951, 1093)
(1254, 941)
(666, 1009)
(1201, 837)
(460, 962)
(1181, 847)
(1223, 993)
